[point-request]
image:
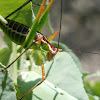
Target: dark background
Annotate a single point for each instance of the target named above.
(80, 29)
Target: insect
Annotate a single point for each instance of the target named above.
(31, 38)
(27, 35)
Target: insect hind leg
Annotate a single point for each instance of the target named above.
(21, 8)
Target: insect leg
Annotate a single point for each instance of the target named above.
(21, 7)
(44, 16)
(18, 9)
(32, 32)
(52, 36)
(17, 58)
(43, 78)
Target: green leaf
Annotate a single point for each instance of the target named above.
(92, 84)
(22, 16)
(26, 15)
(7, 90)
(5, 50)
(69, 51)
(7, 54)
(93, 97)
(46, 91)
(93, 87)
(64, 73)
(4, 55)
(35, 10)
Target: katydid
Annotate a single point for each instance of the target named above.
(31, 38)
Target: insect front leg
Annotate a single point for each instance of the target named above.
(52, 36)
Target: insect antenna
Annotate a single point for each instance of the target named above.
(60, 22)
(81, 51)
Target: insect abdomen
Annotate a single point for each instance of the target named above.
(15, 31)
